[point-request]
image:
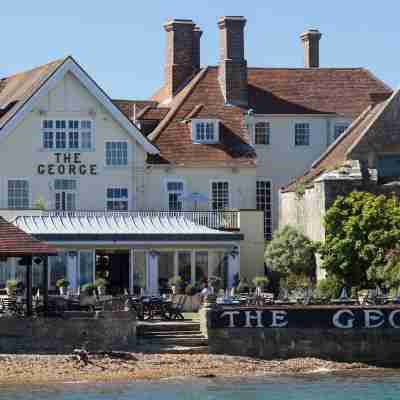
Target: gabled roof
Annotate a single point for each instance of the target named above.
(16, 243)
(340, 150)
(19, 92)
(319, 91)
(173, 135)
(15, 90)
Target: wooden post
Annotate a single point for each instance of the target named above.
(29, 286)
(46, 285)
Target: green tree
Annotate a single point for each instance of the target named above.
(360, 229)
(290, 252)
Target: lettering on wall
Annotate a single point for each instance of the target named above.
(340, 318)
(67, 164)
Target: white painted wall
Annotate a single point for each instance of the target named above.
(241, 185)
(21, 152)
(281, 161)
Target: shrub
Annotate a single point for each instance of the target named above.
(360, 230)
(175, 281)
(12, 284)
(62, 283)
(291, 252)
(100, 282)
(244, 286)
(293, 281)
(88, 289)
(261, 281)
(330, 287)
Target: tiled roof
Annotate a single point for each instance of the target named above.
(173, 135)
(337, 91)
(130, 107)
(15, 90)
(15, 242)
(337, 153)
(153, 113)
(341, 91)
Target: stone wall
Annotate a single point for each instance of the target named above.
(311, 335)
(95, 331)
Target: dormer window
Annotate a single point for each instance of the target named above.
(205, 131)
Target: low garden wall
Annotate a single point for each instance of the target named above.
(352, 334)
(96, 331)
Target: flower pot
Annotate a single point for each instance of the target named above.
(101, 290)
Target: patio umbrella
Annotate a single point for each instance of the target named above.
(196, 198)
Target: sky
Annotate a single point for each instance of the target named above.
(120, 43)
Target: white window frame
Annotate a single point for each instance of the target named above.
(173, 180)
(268, 123)
(229, 193)
(215, 123)
(29, 192)
(67, 147)
(127, 154)
(309, 134)
(121, 199)
(271, 203)
(75, 191)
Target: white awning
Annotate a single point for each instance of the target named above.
(115, 226)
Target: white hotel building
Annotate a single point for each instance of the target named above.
(185, 183)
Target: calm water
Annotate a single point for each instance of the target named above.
(310, 388)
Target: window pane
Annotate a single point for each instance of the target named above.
(184, 269)
(18, 194)
(339, 129)
(263, 200)
(262, 133)
(86, 265)
(220, 195)
(166, 269)
(116, 153)
(201, 266)
(302, 134)
(58, 268)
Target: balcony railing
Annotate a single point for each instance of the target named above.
(221, 220)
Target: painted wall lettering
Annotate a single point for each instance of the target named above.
(67, 164)
(313, 317)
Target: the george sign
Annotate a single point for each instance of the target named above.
(67, 164)
(341, 318)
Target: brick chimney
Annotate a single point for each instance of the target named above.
(197, 32)
(232, 70)
(182, 53)
(310, 41)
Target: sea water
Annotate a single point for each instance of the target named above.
(326, 387)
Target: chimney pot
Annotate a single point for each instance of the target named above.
(310, 41)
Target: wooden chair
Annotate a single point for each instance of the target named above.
(176, 308)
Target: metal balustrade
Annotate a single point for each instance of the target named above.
(221, 220)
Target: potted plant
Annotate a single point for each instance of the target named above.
(11, 287)
(176, 283)
(88, 289)
(62, 285)
(101, 285)
(215, 283)
(260, 282)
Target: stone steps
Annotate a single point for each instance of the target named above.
(171, 337)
